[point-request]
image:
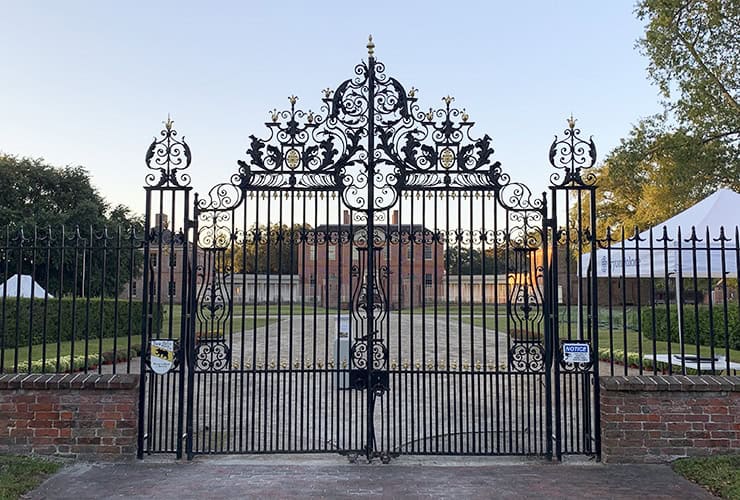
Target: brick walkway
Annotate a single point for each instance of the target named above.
(333, 477)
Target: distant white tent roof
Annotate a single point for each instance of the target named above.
(28, 287)
(719, 210)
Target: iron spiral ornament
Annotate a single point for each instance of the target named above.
(169, 157)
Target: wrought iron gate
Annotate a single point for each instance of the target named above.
(370, 282)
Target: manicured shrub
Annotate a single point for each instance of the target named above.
(719, 332)
(66, 364)
(64, 319)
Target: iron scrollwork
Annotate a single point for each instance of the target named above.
(571, 156)
(368, 352)
(212, 352)
(413, 149)
(526, 309)
(169, 156)
(212, 355)
(527, 356)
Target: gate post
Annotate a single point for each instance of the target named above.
(548, 307)
(577, 417)
(164, 294)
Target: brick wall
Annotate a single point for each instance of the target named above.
(83, 416)
(647, 419)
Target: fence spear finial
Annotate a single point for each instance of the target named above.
(572, 122)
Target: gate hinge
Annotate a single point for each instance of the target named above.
(190, 224)
(549, 223)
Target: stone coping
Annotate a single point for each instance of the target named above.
(57, 381)
(692, 383)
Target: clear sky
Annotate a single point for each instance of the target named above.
(89, 83)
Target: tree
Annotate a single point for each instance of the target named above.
(671, 161)
(464, 260)
(44, 208)
(266, 251)
(655, 173)
(694, 52)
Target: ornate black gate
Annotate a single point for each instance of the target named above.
(369, 282)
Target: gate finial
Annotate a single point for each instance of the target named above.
(370, 46)
(572, 122)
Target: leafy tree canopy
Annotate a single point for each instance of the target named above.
(40, 199)
(655, 173)
(37, 194)
(694, 52)
(671, 161)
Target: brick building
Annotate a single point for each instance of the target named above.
(325, 269)
(166, 263)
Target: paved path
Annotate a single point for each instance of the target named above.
(333, 477)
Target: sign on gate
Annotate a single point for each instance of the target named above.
(162, 356)
(576, 352)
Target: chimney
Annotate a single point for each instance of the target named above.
(394, 220)
(161, 221)
(346, 217)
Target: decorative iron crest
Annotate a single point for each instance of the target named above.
(212, 355)
(572, 155)
(213, 311)
(527, 357)
(526, 307)
(329, 150)
(168, 156)
(362, 310)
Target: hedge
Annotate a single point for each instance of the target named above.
(87, 320)
(69, 364)
(731, 325)
(633, 360)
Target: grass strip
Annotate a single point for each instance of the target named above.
(719, 474)
(19, 475)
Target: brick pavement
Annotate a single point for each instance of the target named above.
(332, 477)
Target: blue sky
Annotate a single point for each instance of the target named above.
(89, 83)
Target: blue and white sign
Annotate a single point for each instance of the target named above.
(576, 352)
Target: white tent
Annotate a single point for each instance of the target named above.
(28, 288)
(701, 259)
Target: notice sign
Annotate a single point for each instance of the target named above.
(576, 352)
(162, 356)
(343, 326)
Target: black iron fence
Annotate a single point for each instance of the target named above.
(667, 300)
(71, 300)
(68, 299)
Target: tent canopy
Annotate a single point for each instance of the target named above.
(28, 288)
(697, 256)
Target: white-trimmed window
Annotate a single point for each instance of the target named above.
(427, 252)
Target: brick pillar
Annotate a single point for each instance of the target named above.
(78, 415)
(647, 419)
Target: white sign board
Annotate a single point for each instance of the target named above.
(162, 356)
(576, 352)
(342, 351)
(343, 325)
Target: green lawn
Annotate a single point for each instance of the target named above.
(19, 475)
(249, 311)
(106, 345)
(617, 338)
(720, 475)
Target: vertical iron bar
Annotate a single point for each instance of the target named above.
(370, 436)
(595, 325)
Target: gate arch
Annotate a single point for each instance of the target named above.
(372, 152)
